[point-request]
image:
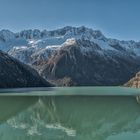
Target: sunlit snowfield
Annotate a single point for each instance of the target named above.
(70, 114)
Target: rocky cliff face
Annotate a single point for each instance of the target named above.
(134, 82)
(76, 64)
(15, 74)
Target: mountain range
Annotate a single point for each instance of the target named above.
(74, 56)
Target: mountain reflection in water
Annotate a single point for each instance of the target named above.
(69, 118)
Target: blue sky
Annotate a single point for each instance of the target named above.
(115, 18)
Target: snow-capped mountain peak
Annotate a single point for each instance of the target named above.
(28, 45)
(6, 35)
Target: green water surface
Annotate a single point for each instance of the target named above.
(86, 116)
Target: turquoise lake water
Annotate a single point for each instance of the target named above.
(82, 113)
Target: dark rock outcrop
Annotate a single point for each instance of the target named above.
(16, 74)
(134, 82)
